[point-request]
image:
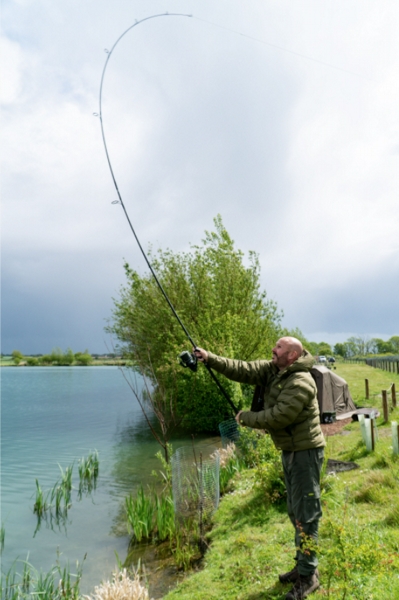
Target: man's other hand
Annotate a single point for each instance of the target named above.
(201, 354)
(237, 417)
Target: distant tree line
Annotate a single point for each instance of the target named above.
(365, 346)
(56, 357)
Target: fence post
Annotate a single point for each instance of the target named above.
(385, 406)
(393, 392)
(395, 437)
(366, 381)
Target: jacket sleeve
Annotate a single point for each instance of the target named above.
(291, 402)
(255, 372)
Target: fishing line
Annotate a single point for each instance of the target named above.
(293, 52)
(120, 201)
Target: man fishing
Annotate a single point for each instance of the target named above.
(290, 414)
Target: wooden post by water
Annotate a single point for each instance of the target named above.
(366, 381)
(393, 391)
(385, 405)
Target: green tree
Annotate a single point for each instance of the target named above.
(340, 350)
(56, 356)
(382, 346)
(83, 358)
(394, 341)
(324, 349)
(219, 300)
(68, 357)
(17, 356)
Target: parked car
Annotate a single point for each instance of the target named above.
(322, 359)
(331, 359)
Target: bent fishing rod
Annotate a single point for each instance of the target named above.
(186, 358)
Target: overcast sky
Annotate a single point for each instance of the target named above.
(281, 116)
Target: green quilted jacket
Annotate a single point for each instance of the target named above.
(291, 410)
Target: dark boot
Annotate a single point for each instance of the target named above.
(289, 577)
(293, 575)
(303, 587)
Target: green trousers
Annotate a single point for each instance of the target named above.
(302, 478)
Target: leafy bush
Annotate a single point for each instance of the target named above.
(32, 361)
(258, 451)
(83, 358)
(220, 301)
(17, 356)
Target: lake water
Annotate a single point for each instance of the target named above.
(51, 417)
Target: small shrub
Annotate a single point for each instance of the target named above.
(255, 447)
(257, 451)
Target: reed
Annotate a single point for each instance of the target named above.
(61, 497)
(66, 477)
(140, 514)
(165, 517)
(9, 585)
(57, 584)
(2, 537)
(41, 504)
(89, 467)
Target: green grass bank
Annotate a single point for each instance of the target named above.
(251, 541)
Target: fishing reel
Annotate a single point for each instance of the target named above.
(187, 359)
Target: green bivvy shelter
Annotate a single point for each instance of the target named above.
(335, 400)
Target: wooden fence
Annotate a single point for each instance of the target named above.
(386, 364)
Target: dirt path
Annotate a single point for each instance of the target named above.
(334, 428)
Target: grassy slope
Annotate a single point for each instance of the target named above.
(251, 542)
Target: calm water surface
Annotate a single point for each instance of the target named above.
(51, 417)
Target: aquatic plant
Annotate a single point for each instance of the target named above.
(140, 514)
(165, 517)
(2, 537)
(57, 584)
(41, 504)
(88, 469)
(53, 505)
(66, 477)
